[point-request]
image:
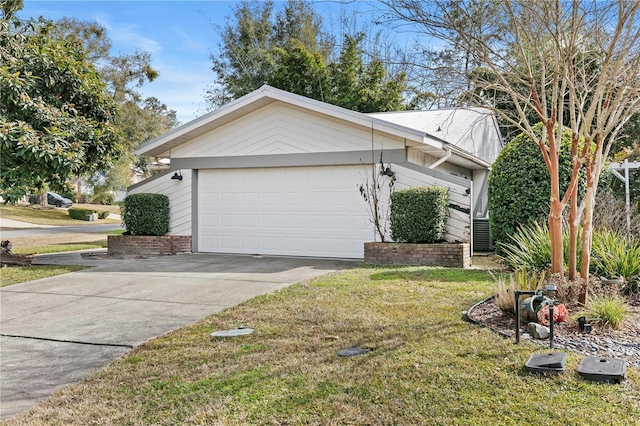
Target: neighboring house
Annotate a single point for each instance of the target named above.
(276, 173)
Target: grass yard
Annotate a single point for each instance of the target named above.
(59, 217)
(54, 243)
(17, 275)
(426, 365)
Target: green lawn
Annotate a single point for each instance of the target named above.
(40, 216)
(426, 365)
(16, 275)
(62, 247)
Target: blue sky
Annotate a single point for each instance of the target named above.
(179, 35)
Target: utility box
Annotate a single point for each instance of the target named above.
(553, 362)
(601, 369)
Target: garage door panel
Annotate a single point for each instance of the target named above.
(302, 211)
(251, 221)
(293, 221)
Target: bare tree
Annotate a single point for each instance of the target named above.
(572, 64)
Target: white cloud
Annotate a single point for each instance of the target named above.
(128, 35)
(182, 87)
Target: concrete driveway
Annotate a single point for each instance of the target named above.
(55, 331)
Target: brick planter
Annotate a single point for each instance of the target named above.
(148, 244)
(450, 255)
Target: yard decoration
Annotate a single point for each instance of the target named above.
(560, 314)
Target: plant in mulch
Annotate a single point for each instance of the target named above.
(605, 310)
(521, 279)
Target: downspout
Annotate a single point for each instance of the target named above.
(442, 160)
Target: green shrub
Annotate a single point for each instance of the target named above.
(419, 214)
(519, 188)
(79, 214)
(104, 198)
(103, 215)
(614, 255)
(607, 311)
(146, 214)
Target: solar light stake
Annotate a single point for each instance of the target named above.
(551, 326)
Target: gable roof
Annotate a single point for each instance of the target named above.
(434, 145)
(453, 125)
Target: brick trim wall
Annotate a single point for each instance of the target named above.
(148, 244)
(450, 255)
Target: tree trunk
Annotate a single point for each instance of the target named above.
(573, 235)
(555, 233)
(587, 228)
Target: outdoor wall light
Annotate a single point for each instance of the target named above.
(177, 175)
(389, 172)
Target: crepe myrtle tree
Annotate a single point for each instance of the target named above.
(55, 116)
(566, 64)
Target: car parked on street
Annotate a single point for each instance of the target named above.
(53, 199)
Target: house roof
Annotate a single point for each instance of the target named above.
(413, 134)
(450, 125)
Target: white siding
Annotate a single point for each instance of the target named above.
(458, 223)
(283, 129)
(179, 193)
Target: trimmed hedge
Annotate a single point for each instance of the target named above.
(146, 214)
(419, 214)
(103, 215)
(519, 187)
(80, 214)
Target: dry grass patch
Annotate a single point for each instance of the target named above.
(426, 365)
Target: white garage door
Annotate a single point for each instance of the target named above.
(295, 211)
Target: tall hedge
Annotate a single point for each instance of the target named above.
(519, 185)
(146, 214)
(419, 214)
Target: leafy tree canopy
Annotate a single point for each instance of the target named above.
(56, 118)
(290, 50)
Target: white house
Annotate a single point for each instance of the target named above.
(276, 173)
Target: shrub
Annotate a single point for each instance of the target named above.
(419, 214)
(80, 214)
(103, 215)
(530, 246)
(614, 255)
(104, 198)
(146, 214)
(611, 214)
(519, 186)
(607, 311)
